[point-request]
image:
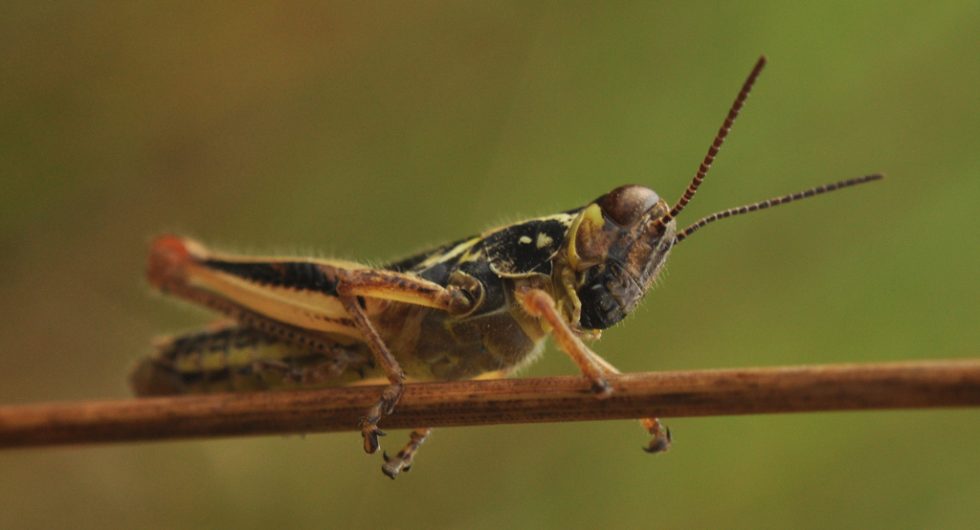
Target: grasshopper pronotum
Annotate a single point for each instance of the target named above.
(478, 307)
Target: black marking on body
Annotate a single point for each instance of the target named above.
(214, 341)
(288, 274)
(512, 251)
(410, 263)
(525, 248)
(437, 273)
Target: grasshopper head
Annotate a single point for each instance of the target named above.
(617, 247)
(618, 243)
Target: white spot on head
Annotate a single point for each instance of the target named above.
(525, 240)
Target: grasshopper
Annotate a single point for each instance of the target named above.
(478, 307)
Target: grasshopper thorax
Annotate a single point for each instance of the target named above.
(617, 246)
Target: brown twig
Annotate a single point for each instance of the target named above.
(551, 399)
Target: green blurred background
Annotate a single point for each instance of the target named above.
(370, 132)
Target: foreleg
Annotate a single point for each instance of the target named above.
(539, 303)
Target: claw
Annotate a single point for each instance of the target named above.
(385, 457)
(370, 434)
(393, 466)
(660, 442)
(390, 473)
(371, 444)
(601, 388)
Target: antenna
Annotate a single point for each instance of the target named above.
(775, 201)
(726, 126)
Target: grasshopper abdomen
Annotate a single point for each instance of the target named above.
(233, 358)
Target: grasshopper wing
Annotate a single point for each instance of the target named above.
(302, 294)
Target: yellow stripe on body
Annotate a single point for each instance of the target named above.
(309, 310)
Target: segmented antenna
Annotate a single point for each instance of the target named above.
(775, 201)
(692, 188)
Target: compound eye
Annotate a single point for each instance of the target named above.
(626, 204)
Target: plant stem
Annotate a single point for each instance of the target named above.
(549, 399)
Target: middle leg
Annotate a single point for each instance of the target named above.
(387, 362)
